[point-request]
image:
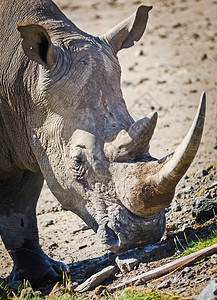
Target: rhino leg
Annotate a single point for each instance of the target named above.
(18, 229)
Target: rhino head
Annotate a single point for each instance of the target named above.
(93, 155)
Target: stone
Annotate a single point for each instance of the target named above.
(201, 173)
(204, 209)
(204, 57)
(163, 285)
(176, 206)
(95, 279)
(127, 264)
(139, 53)
(213, 259)
(51, 222)
(210, 291)
(186, 270)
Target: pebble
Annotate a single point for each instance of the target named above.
(51, 222)
(82, 247)
(213, 259)
(163, 285)
(204, 57)
(161, 81)
(127, 264)
(201, 173)
(139, 53)
(210, 291)
(204, 209)
(95, 279)
(186, 270)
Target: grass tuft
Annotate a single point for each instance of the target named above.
(200, 243)
(133, 293)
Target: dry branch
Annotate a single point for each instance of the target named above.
(181, 262)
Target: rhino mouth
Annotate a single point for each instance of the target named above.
(131, 231)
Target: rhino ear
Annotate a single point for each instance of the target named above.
(37, 44)
(130, 30)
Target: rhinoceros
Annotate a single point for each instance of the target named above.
(63, 119)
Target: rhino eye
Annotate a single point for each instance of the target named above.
(79, 167)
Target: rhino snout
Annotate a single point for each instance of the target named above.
(124, 230)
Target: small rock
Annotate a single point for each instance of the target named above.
(140, 282)
(188, 189)
(213, 259)
(51, 222)
(178, 195)
(176, 206)
(163, 285)
(127, 264)
(177, 25)
(82, 247)
(193, 91)
(204, 209)
(210, 292)
(126, 83)
(190, 276)
(95, 279)
(186, 270)
(196, 36)
(204, 57)
(139, 53)
(201, 173)
(161, 81)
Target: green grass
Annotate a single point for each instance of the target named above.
(142, 294)
(200, 244)
(130, 293)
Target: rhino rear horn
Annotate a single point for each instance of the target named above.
(130, 30)
(133, 143)
(37, 44)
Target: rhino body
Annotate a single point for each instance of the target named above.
(63, 119)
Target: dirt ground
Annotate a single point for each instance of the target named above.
(165, 71)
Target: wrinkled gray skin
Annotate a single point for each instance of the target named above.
(61, 107)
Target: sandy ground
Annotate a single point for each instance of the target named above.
(165, 71)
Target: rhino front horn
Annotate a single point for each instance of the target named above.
(176, 165)
(154, 192)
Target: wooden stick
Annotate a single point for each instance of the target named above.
(160, 271)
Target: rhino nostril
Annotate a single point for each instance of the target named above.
(108, 237)
(111, 235)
